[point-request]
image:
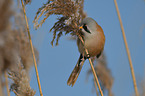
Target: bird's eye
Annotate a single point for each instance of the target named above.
(86, 28)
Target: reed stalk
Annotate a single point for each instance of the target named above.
(92, 67)
(96, 87)
(32, 49)
(127, 50)
(7, 85)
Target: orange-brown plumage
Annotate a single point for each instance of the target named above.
(95, 44)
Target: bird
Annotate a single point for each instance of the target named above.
(94, 41)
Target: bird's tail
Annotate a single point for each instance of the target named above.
(76, 71)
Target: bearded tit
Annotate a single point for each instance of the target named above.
(94, 40)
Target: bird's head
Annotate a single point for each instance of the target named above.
(88, 26)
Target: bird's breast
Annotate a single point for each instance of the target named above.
(94, 45)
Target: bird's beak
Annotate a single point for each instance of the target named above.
(81, 27)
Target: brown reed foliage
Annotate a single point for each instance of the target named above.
(103, 73)
(5, 13)
(71, 14)
(21, 86)
(13, 39)
(14, 44)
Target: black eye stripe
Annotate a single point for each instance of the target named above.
(85, 28)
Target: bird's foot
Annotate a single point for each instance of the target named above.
(88, 56)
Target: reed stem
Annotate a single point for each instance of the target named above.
(96, 87)
(7, 85)
(127, 50)
(32, 49)
(92, 67)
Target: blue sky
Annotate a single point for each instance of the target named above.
(57, 63)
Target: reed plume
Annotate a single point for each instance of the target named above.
(13, 39)
(21, 86)
(14, 44)
(70, 14)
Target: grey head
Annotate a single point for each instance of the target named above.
(88, 26)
